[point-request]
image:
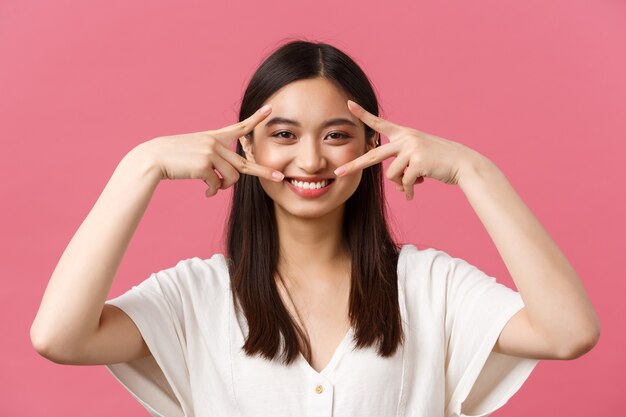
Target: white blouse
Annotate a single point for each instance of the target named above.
(452, 315)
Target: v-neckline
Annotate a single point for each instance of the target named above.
(335, 358)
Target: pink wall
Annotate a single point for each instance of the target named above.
(538, 87)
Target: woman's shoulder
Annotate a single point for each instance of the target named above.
(428, 268)
(199, 274)
(412, 252)
(422, 264)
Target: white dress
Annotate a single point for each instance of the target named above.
(452, 316)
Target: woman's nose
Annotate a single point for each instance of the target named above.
(310, 156)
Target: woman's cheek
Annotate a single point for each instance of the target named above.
(344, 155)
(269, 158)
(348, 154)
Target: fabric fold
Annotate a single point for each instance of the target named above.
(478, 380)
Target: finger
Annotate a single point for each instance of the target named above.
(369, 158)
(379, 124)
(408, 182)
(396, 169)
(229, 134)
(410, 196)
(213, 182)
(408, 188)
(244, 166)
(229, 174)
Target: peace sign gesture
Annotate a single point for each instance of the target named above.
(418, 154)
(198, 155)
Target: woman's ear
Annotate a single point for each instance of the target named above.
(372, 142)
(246, 144)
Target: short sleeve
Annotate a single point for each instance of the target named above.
(478, 380)
(160, 382)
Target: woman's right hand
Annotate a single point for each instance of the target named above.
(197, 155)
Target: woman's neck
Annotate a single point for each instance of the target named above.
(313, 248)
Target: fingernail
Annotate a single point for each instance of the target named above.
(278, 175)
(353, 104)
(340, 171)
(266, 108)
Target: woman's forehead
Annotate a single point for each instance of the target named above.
(316, 92)
(310, 103)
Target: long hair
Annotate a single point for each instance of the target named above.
(252, 237)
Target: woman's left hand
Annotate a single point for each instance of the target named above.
(418, 154)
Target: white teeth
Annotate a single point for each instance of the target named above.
(309, 185)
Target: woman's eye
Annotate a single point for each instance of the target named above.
(278, 134)
(340, 135)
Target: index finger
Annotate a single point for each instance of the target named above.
(369, 158)
(229, 134)
(245, 166)
(379, 124)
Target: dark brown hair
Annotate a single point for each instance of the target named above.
(252, 237)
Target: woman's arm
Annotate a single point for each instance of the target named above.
(73, 324)
(558, 319)
(72, 304)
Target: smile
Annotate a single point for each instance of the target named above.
(309, 189)
(310, 185)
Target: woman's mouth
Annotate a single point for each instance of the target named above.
(309, 189)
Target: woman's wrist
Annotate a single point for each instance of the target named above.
(140, 160)
(476, 169)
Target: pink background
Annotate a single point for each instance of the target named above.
(538, 87)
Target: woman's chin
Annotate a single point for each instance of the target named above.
(306, 211)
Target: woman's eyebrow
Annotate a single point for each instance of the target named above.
(330, 122)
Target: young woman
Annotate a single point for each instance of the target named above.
(314, 309)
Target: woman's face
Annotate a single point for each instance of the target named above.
(303, 137)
